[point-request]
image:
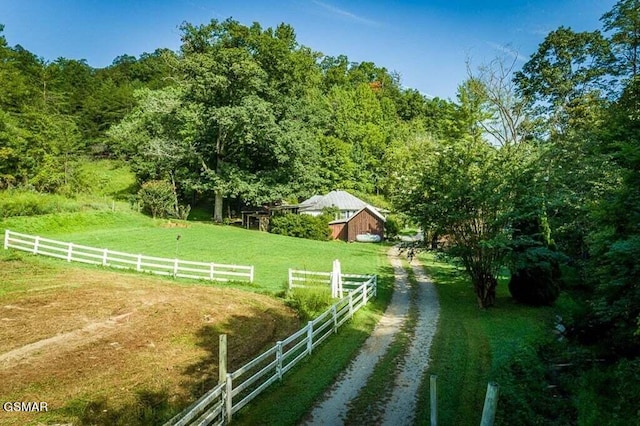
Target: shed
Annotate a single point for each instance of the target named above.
(367, 220)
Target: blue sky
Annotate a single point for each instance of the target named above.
(427, 42)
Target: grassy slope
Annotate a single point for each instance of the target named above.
(271, 255)
(134, 233)
(471, 344)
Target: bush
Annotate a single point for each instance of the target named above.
(156, 198)
(301, 226)
(535, 271)
(536, 278)
(530, 392)
(391, 227)
(26, 203)
(610, 393)
(309, 302)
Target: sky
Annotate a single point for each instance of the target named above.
(428, 43)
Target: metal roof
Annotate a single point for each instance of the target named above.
(340, 199)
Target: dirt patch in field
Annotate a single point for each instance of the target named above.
(99, 343)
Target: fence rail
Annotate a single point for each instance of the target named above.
(220, 404)
(302, 279)
(156, 265)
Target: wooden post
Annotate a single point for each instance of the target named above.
(35, 245)
(350, 305)
(434, 399)
(334, 313)
(139, 263)
(222, 359)
(375, 285)
(251, 275)
(490, 404)
(279, 359)
(365, 290)
(105, 256)
(175, 268)
(69, 252)
(6, 239)
(229, 401)
(309, 337)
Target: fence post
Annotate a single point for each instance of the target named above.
(490, 404)
(309, 337)
(6, 239)
(251, 275)
(279, 359)
(290, 278)
(222, 359)
(375, 285)
(175, 268)
(36, 244)
(69, 252)
(105, 256)
(434, 399)
(229, 401)
(350, 305)
(139, 263)
(334, 313)
(365, 290)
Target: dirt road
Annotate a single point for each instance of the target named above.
(399, 405)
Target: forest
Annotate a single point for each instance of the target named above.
(534, 171)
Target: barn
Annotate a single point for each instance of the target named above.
(355, 217)
(365, 221)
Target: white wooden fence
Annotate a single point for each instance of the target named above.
(220, 404)
(156, 265)
(303, 279)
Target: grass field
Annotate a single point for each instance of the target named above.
(471, 345)
(134, 233)
(111, 347)
(103, 347)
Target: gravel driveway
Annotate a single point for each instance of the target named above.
(399, 408)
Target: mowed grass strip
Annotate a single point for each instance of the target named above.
(271, 255)
(102, 347)
(472, 345)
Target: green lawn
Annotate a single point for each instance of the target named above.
(270, 254)
(472, 346)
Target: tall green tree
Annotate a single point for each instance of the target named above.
(623, 20)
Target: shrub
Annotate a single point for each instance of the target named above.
(391, 227)
(536, 280)
(26, 203)
(309, 302)
(530, 391)
(301, 226)
(156, 198)
(535, 272)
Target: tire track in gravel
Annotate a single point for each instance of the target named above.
(401, 407)
(333, 409)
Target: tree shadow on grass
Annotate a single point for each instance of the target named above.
(248, 335)
(149, 408)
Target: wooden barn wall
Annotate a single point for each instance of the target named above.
(363, 223)
(339, 231)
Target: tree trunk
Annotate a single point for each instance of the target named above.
(217, 207)
(485, 289)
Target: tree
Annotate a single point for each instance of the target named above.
(566, 75)
(239, 131)
(624, 20)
